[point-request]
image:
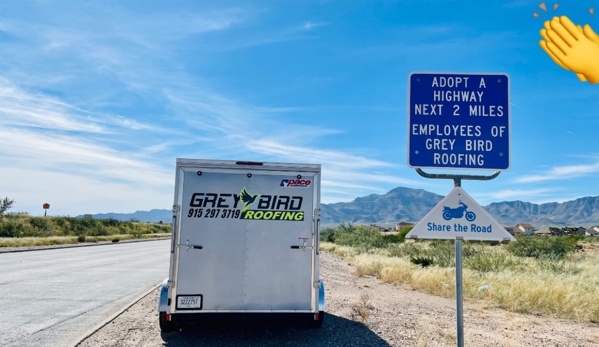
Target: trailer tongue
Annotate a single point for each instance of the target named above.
(244, 244)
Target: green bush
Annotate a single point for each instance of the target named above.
(362, 237)
(423, 261)
(552, 247)
(40, 223)
(23, 225)
(81, 238)
(11, 228)
(443, 252)
(488, 260)
(403, 232)
(328, 235)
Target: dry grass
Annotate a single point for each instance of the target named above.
(36, 241)
(362, 310)
(60, 240)
(529, 286)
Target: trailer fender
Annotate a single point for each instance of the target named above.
(321, 301)
(163, 300)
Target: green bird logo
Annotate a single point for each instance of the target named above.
(247, 198)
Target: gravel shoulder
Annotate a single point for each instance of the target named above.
(361, 311)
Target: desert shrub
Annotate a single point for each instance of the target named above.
(404, 249)
(110, 222)
(40, 223)
(362, 237)
(81, 238)
(558, 265)
(443, 253)
(553, 247)
(328, 235)
(491, 260)
(11, 228)
(437, 252)
(424, 261)
(403, 232)
(23, 225)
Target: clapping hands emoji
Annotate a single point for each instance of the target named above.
(572, 47)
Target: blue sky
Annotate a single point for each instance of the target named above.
(98, 98)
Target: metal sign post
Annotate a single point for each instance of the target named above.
(457, 180)
(459, 299)
(46, 206)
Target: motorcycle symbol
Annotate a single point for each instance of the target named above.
(458, 212)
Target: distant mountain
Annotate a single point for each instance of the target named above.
(399, 204)
(579, 212)
(410, 205)
(154, 216)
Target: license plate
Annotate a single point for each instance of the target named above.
(189, 302)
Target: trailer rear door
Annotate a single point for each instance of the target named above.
(241, 238)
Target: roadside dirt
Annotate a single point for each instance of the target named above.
(361, 311)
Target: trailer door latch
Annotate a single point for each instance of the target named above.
(187, 246)
(303, 246)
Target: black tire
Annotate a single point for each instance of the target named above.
(165, 326)
(317, 323)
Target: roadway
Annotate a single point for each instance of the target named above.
(51, 297)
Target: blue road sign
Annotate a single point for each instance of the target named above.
(459, 121)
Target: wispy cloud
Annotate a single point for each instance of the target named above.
(64, 152)
(312, 25)
(66, 130)
(19, 108)
(519, 194)
(23, 108)
(334, 158)
(561, 173)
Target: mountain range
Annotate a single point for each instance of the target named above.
(410, 205)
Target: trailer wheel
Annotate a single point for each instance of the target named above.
(165, 326)
(317, 323)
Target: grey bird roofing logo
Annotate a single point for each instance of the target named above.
(247, 198)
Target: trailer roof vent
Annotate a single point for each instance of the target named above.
(255, 163)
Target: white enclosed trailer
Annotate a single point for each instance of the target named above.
(245, 243)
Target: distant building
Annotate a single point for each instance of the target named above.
(524, 228)
(380, 228)
(509, 229)
(573, 231)
(592, 231)
(577, 231)
(402, 225)
(544, 232)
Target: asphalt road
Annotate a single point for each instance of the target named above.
(51, 297)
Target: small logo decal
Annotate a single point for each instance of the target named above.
(293, 183)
